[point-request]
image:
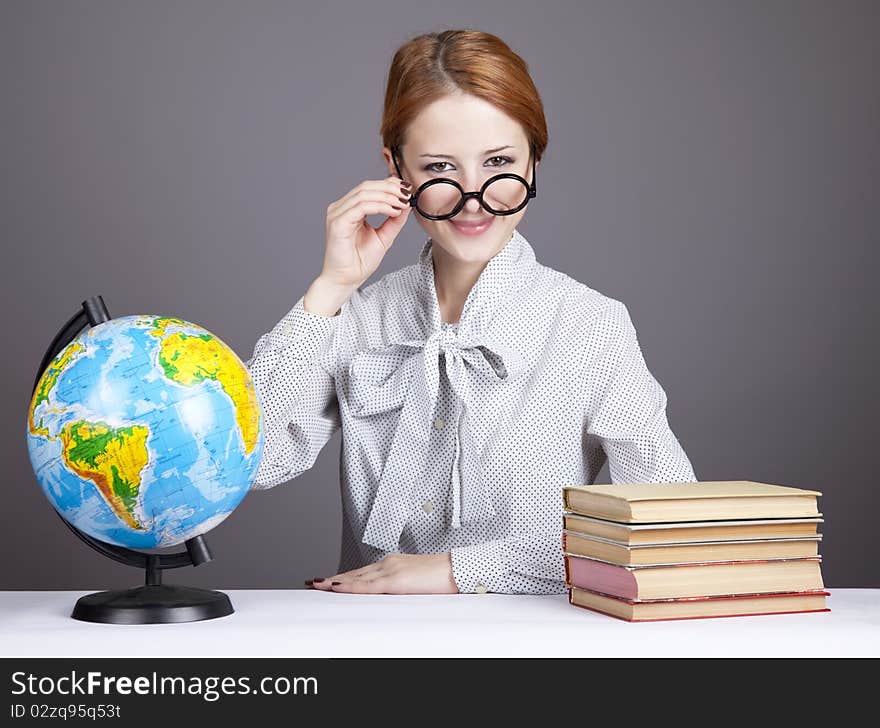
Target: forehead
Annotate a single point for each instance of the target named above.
(462, 124)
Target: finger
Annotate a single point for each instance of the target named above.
(394, 198)
(390, 229)
(362, 586)
(368, 571)
(324, 583)
(389, 185)
(355, 215)
(353, 574)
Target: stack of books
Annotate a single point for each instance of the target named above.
(657, 551)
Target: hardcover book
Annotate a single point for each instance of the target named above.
(637, 533)
(739, 605)
(714, 578)
(688, 552)
(699, 501)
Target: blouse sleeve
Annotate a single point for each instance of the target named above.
(292, 369)
(626, 409)
(531, 563)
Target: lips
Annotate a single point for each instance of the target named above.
(472, 228)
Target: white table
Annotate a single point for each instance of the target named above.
(311, 623)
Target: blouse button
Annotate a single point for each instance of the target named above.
(427, 506)
(480, 588)
(439, 423)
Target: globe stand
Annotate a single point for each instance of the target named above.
(154, 602)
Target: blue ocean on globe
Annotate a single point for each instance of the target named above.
(145, 431)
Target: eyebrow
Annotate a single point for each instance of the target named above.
(488, 151)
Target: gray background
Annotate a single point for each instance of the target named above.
(714, 165)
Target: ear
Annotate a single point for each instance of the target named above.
(389, 161)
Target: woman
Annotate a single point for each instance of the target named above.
(473, 384)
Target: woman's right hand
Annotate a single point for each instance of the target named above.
(355, 248)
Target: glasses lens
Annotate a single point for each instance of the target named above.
(439, 199)
(505, 194)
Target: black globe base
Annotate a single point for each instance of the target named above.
(152, 604)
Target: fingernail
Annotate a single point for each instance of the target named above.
(403, 199)
(335, 583)
(406, 186)
(309, 582)
(320, 578)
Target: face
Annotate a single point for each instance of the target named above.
(467, 139)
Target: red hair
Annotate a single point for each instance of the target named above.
(433, 65)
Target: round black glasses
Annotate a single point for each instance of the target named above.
(442, 198)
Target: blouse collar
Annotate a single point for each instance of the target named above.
(507, 271)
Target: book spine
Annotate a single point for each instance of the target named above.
(704, 616)
(711, 597)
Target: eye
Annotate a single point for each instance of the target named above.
(505, 160)
(431, 167)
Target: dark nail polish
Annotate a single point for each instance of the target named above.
(320, 578)
(309, 582)
(335, 583)
(405, 200)
(405, 186)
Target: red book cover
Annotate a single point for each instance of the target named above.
(620, 581)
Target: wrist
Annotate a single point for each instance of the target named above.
(325, 297)
(446, 560)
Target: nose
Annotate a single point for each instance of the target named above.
(473, 184)
(472, 205)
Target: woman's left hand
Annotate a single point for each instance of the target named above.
(396, 574)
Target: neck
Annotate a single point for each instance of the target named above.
(453, 281)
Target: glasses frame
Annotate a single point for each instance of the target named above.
(465, 196)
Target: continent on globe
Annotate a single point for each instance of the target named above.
(189, 360)
(112, 458)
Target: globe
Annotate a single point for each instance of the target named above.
(145, 431)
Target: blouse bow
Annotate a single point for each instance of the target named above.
(406, 374)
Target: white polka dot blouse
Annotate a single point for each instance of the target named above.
(458, 437)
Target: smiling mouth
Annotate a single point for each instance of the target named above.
(472, 227)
